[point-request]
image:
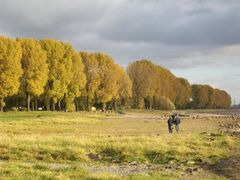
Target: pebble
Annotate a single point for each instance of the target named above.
(191, 162)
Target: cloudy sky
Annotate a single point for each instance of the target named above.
(195, 39)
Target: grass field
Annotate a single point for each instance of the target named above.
(135, 145)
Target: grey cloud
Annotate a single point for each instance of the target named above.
(167, 22)
(174, 34)
(47, 18)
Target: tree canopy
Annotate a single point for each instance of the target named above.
(204, 96)
(60, 74)
(52, 75)
(153, 83)
(35, 69)
(10, 68)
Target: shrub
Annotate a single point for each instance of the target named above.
(112, 155)
(164, 103)
(2, 103)
(14, 109)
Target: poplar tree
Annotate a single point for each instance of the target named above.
(108, 79)
(143, 75)
(77, 83)
(10, 68)
(124, 87)
(204, 96)
(151, 84)
(59, 60)
(92, 78)
(200, 96)
(101, 73)
(35, 69)
(58, 74)
(183, 93)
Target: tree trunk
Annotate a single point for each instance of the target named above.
(36, 104)
(59, 105)
(17, 103)
(1, 104)
(77, 104)
(53, 106)
(33, 107)
(123, 102)
(28, 102)
(103, 107)
(47, 104)
(115, 104)
(150, 103)
(88, 108)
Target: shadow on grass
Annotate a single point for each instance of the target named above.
(113, 155)
(228, 167)
(158, 157)
(18, 116)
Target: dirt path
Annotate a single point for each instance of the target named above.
(124, 170)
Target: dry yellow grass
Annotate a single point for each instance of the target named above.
(27, 140)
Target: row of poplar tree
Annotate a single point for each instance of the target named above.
(52, 75)
(156, 87)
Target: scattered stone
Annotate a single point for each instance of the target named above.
(95, 157)
(182, 173)
(120, 112)
(171, 162)
(195, 169)
(146, 162)
(199, 169)
(189, 170)
(58, 166)
(199, 161)
(190, 162)
(180, 165)
(213, 134)
(169, 167)
(218, 169)
(184, 161)
(203, 133)
(134, 163)
(221, 125)
(149, 165)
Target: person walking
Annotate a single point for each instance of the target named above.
(177, 122)
(170, 124)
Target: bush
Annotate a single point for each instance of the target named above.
(164, 103)
(22, 109)
(113, 155)
(71, 107)
(14, 109)
(159, 157)
(2, 103)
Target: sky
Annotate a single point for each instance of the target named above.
(196, 39)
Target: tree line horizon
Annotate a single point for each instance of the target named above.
(51, 74)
